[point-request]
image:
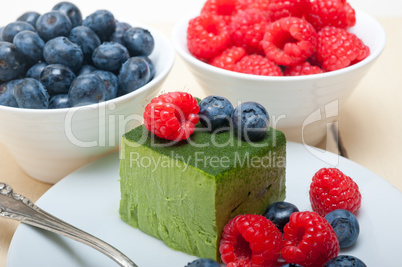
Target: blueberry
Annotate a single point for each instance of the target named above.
(150, 65)
(134, 73)
(87, 89)
(110, 81)
(71, 11)
(139, 41)
(250, 121)
(215, 113)
(110, 56)
(121, 28)
(30, 46)
(30, 93)
(11, 63)
(11, 29)
(345, 261)
(31, 17)
(7, 97)
(279, 213)
(36, 70)
(102, 22)
(87, 39)
(85, 69)
(203, 263)
(61, 50)
(291, 265)
(345, 225)
(57, 78)
(59, 101)
(53, 24)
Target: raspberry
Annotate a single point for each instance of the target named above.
(172, 116)
(223, 8)
(304, 68)
(289, 41)
(336, 13)
(287, 8)
(250, 240)
(314, 61)
(253, 4)
(350, 15)
(248, 28)
(338, 48)
(257, 65)
(207, 35)
(309, 240)
(228, 58)
(331, 189)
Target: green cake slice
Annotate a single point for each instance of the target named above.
(185, 193)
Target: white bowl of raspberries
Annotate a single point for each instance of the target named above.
(71, 85)
(301, 59)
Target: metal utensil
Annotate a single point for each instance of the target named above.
(17, 207)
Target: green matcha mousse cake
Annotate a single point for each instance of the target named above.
(184, 193)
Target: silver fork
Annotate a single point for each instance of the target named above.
(17, 207)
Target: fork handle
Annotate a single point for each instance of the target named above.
(17, 207)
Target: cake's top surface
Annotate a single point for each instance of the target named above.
(212, 153)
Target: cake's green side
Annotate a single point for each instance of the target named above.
(184, 198)
(168, 203)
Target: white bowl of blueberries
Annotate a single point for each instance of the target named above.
(71, 85)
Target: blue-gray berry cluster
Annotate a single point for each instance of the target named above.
(345, 261)
(203, 262)
(279, 213)
(60, 59)
(249, 120)
(345, 225)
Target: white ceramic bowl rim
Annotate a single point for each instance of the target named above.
(167, 65)
(360, 15)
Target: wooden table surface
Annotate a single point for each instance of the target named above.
(370, 125)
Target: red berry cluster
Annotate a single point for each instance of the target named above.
(308, 239)
(253, 240)
(172, 115)
(331, 189)
(300, 37)
(250, 240)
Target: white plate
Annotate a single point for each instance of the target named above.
(89, 199)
